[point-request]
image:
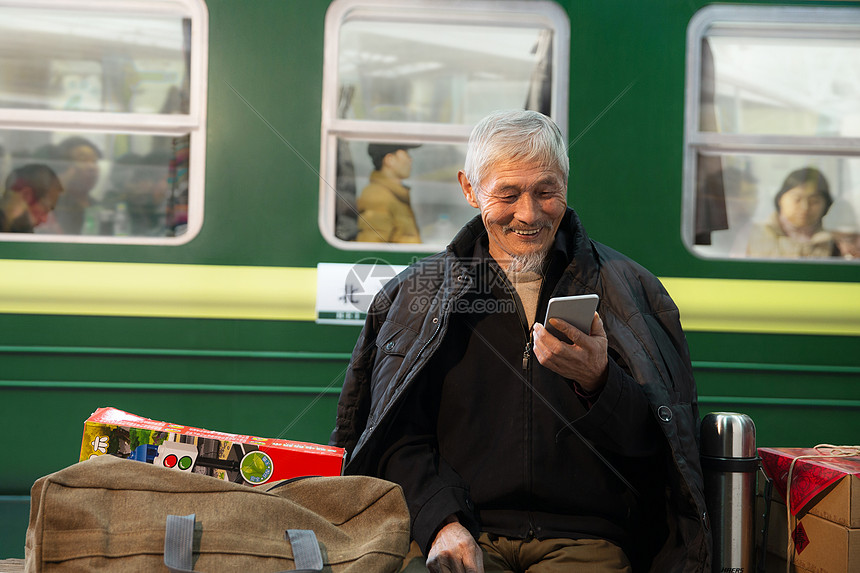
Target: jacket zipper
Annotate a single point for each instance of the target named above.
(529, 406)
(528, 403)
(432, 336)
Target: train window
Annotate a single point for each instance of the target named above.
(404, 82)
(772, 133)
(106, 101)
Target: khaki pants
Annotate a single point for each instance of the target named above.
(503, 555)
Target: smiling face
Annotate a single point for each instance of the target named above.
(521, 205)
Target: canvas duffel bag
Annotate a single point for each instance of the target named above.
(112, 514)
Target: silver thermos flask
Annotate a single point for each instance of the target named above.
(729, 464)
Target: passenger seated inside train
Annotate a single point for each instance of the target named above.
(842, 222)
(31, 192)
(795, 229)
(76, 160)
(848, 243)
(384, 209)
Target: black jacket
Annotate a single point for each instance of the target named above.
(409, 318)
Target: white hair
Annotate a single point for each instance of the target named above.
(516, 135)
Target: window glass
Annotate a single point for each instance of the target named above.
(787, 85)
(87, 61)
(102, 121)
(112, 186)
(769, 197)
(440, 73)
(425, 206)
(404, 82)
(772, 169)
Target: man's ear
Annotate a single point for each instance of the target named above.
(468, 190)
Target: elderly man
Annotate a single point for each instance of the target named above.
(516, 450)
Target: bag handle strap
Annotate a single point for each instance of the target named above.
(306, 549)
(179, 540)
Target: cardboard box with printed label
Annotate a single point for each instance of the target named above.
(818, 545)
(249, 460)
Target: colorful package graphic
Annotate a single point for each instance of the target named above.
(237, 458)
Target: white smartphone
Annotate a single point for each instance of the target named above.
(577, 310)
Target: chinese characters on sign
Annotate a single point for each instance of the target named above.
(345, 291)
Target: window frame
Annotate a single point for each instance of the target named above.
(746, 19)
(484, 12)
(192, 124)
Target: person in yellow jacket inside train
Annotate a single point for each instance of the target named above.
(385, 213)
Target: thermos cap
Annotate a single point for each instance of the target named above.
(728, 435)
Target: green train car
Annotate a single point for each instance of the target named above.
(197, 267)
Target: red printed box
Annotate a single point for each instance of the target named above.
(824, 492)
(829, 485)
(242, 459)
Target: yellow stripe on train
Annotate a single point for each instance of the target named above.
(289, 293)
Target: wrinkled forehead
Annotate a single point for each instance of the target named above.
(523, 171)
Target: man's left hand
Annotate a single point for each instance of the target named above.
(584, 359)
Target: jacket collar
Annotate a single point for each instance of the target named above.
(572, 245)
